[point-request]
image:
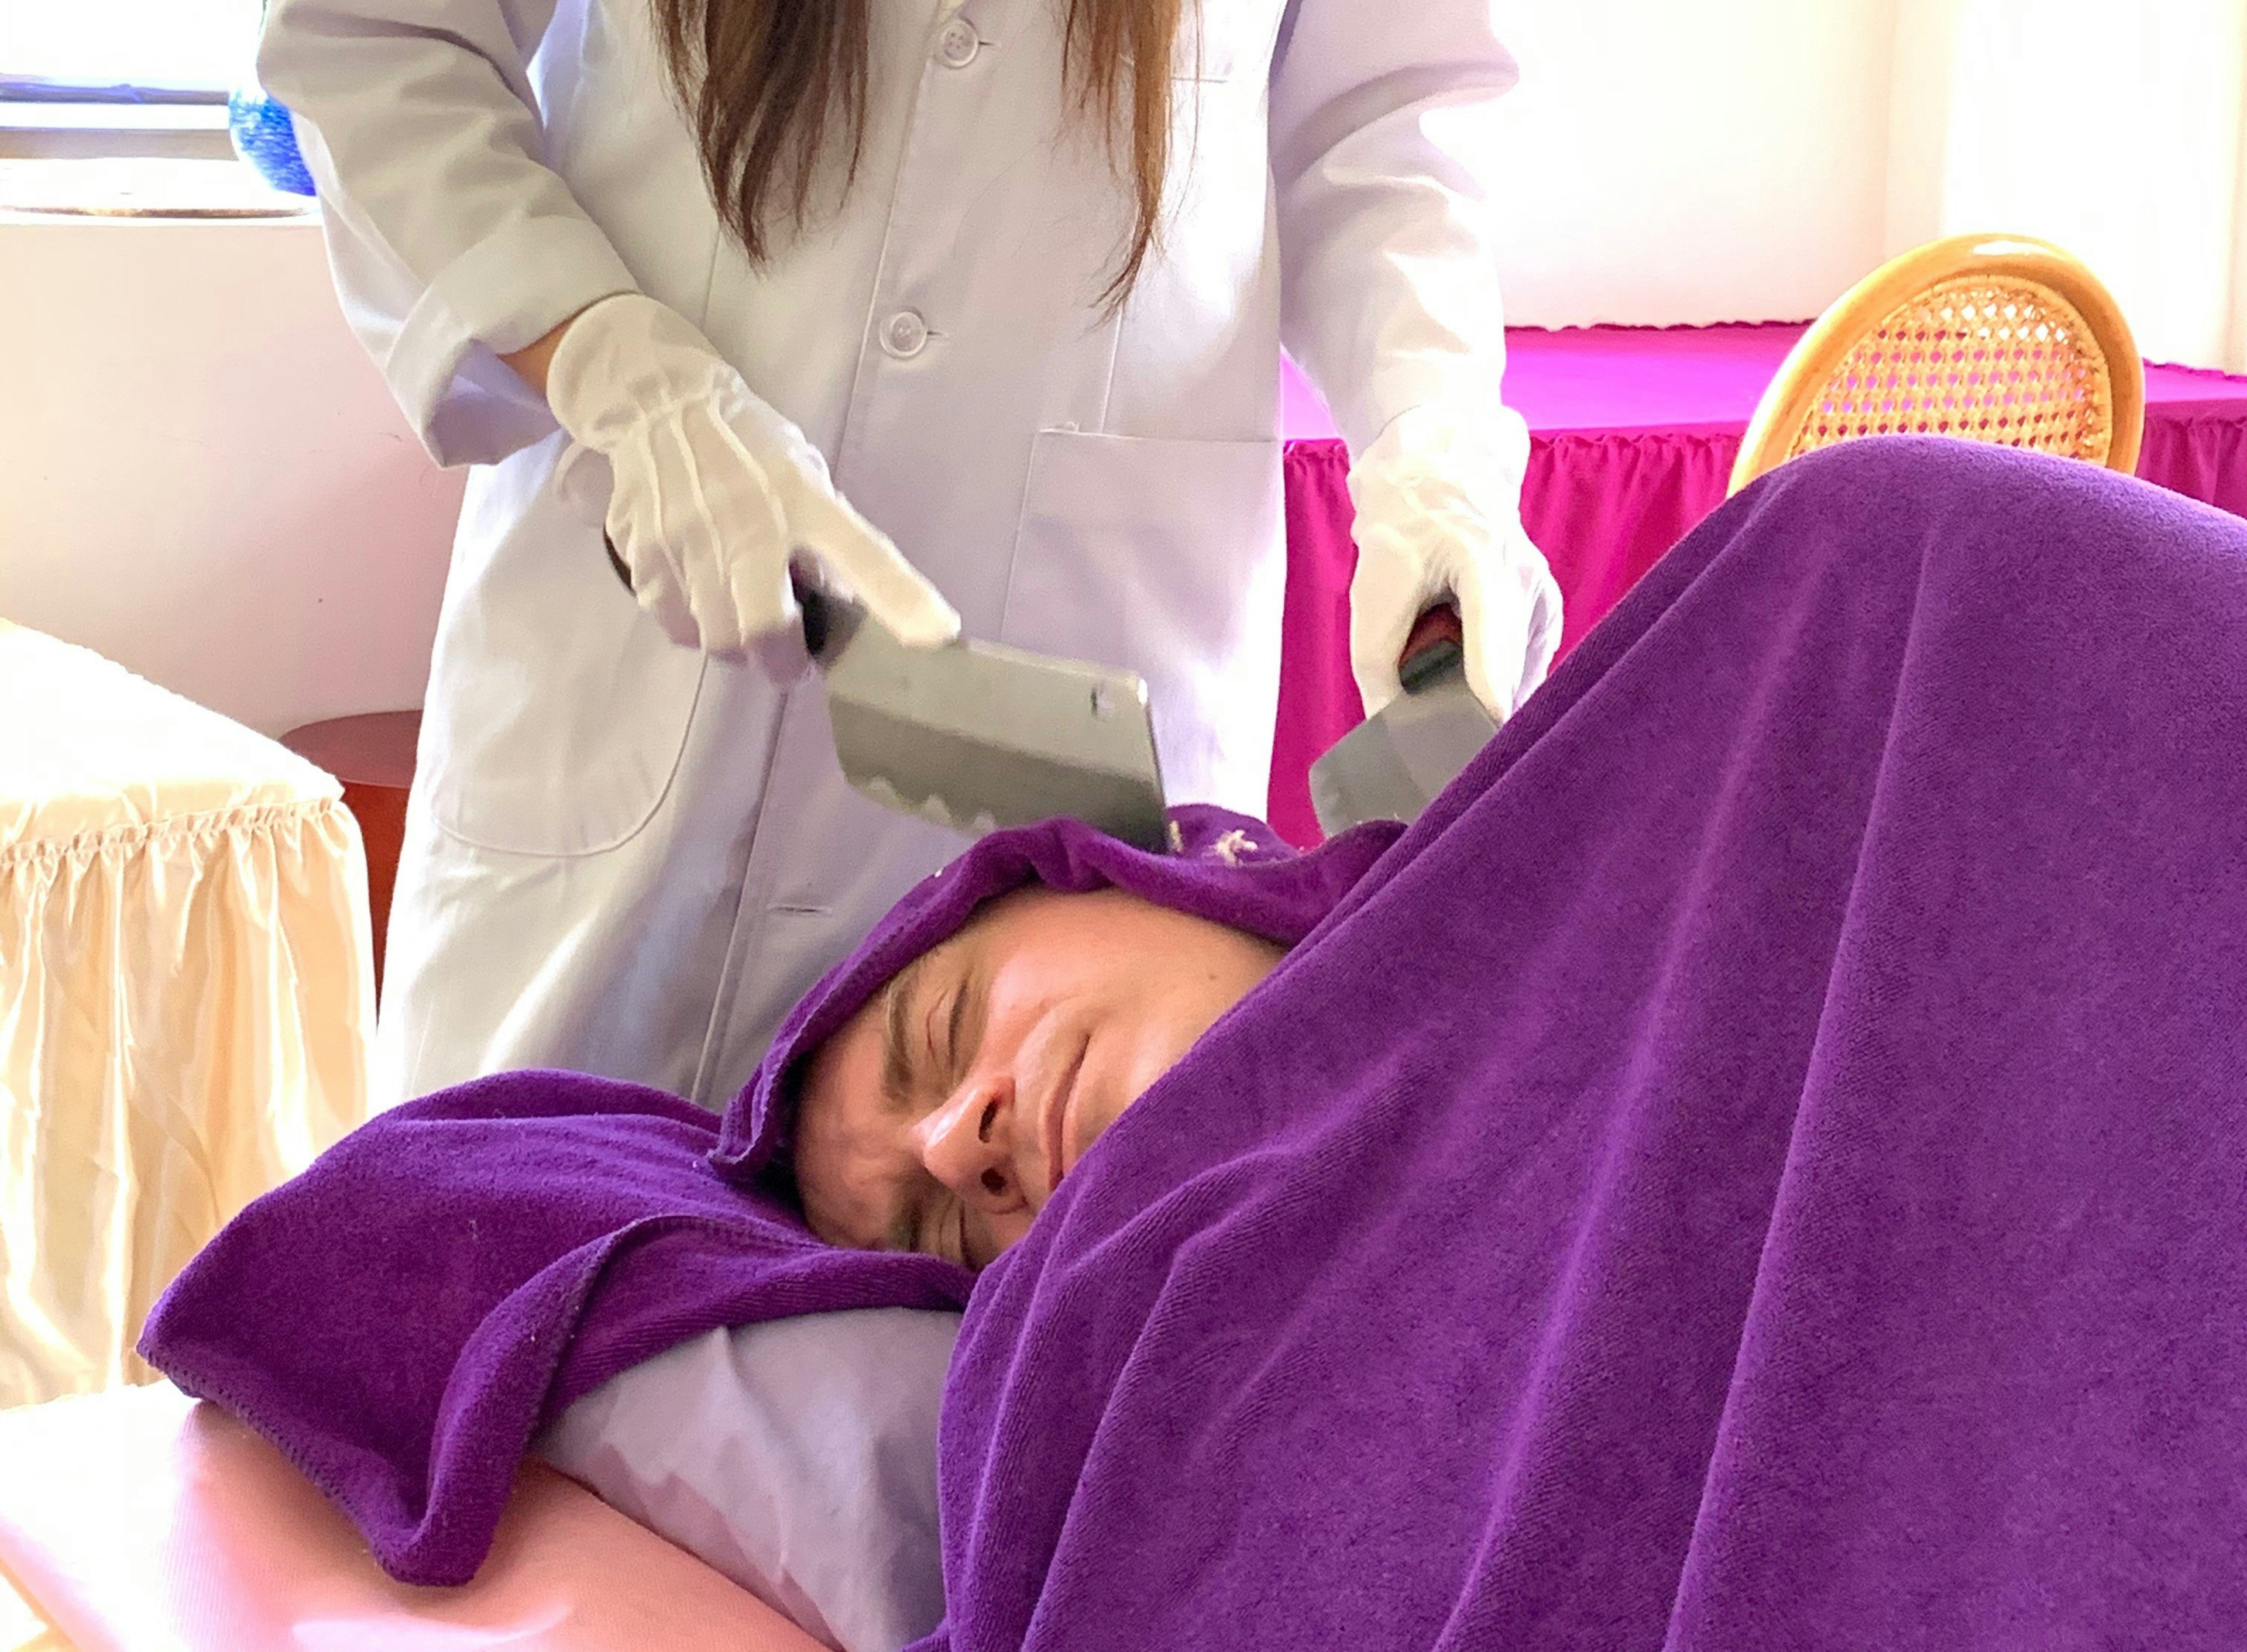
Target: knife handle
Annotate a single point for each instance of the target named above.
(1436, 639)
(818, 619)
(818, 616)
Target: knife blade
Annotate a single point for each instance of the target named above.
(974, 736)
(1391, 766)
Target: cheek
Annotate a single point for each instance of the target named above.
(1190, 1004)
(1168, 1019)
(1158, 1029)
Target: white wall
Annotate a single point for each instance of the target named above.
(202, 476)
(1668, 162)
(2117, 128)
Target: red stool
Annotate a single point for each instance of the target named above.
(373, 757)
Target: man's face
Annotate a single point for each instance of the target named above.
(942, 1115)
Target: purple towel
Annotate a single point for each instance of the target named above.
(1759, 1165)
(1762, 1165)
(399, 1319)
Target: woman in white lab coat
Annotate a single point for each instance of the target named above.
(941, 295)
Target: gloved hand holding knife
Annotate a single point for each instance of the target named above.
(710, 492)
(722, 519)
(1438, 521)
(1454, 616)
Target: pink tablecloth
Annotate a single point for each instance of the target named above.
(1633, 434)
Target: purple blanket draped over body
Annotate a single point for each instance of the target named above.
(1758, 1165)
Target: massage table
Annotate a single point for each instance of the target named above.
(140, 1520)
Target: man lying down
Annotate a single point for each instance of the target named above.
(1758, 1165)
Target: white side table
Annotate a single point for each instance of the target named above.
(187, 1001)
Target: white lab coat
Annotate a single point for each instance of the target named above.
(626, 858)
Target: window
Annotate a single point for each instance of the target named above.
(124, 51)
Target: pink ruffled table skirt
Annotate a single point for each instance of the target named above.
(1633, 434)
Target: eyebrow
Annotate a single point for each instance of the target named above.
(970, 1011)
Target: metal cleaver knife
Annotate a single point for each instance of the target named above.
(1391, 765)
(974, 736)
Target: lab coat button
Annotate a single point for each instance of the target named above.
(957, 42)
(903, 334)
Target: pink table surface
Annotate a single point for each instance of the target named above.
(1614, 379)
(1633, 432)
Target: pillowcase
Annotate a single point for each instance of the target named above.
(797, 1457)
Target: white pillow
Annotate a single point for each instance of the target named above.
(797, 1457)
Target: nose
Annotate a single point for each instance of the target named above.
(967, 1143)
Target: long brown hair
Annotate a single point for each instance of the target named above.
(770, 85)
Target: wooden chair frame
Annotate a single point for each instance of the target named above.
(2052, 276)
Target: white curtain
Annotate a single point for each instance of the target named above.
(2117, 128)
(1695, 160)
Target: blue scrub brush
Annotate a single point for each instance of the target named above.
(265, 136)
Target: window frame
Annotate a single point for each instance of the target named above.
(63, 116)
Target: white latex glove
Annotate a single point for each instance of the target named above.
(711, 492)
(1438, 518)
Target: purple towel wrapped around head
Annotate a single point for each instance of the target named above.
(1221, 866)
(1757, 1166)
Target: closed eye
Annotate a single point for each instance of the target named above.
(964, 1027)
(941, 1229)
(953, 1029)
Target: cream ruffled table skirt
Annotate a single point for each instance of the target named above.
(185, 997)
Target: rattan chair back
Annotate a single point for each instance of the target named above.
(1997, 338)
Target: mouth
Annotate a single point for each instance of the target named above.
(1058, 1102)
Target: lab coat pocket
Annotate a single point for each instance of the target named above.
(557, 710)
(1168, 557)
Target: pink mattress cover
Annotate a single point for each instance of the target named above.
(139, 1520)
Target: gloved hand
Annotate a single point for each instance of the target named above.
(711, 491)
(1438, 518)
